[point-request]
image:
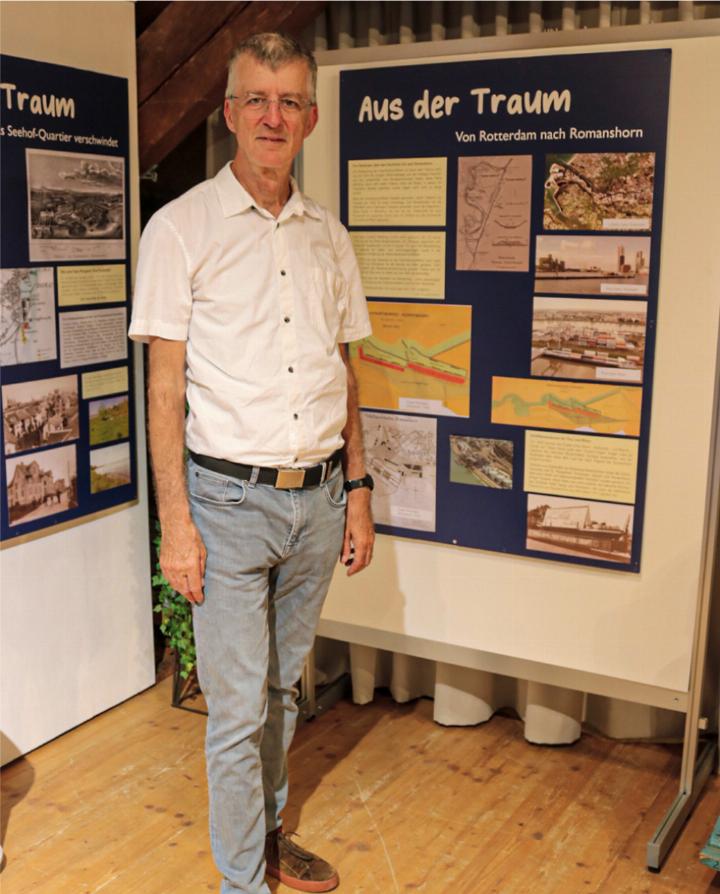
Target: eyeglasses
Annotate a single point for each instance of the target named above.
(258, 105)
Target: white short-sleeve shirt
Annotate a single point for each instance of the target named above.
(262, 303)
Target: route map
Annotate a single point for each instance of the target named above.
(27, 316)
(569, 406)
(599, 191)
(493, 217)
(417, 359)
(401, 456)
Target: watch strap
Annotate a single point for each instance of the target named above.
(354, 483)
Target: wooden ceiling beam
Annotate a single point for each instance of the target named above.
(188, 97)
(171, 39)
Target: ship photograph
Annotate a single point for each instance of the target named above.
(593, 339)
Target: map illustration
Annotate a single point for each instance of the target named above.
(27, 316)
(401, 456)
(569, 406)
(417, 359)
(599, 191)
(493, 217)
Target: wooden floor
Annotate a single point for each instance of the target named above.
(398, 803)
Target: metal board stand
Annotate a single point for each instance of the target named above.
(699, 755)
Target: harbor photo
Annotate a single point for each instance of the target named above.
(587, 338)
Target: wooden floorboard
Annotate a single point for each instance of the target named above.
(397, 802)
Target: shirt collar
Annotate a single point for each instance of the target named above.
(235, 199)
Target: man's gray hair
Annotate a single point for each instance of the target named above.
(272, 49)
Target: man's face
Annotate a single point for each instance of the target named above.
(270, 138)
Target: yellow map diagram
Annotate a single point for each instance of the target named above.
(417, 359)
(570, 406)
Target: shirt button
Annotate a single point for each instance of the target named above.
(295, 415)
(286, 319)
(282, 273)
(290, 369)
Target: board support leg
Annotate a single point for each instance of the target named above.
(668, 830)
(698, 755)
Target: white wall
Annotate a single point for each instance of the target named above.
(76, 613)
(636, 628)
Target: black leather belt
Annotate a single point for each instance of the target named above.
(285, 479)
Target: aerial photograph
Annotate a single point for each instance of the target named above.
(599, 191)
(588, 338)
(483, 461)
(592, 265)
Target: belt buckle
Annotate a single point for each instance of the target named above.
(290, 478)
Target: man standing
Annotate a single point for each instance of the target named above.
(248, 292)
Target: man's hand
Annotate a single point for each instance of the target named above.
(359, 531)
(182, 559)
(182, 552)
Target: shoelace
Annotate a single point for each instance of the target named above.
(294, 848)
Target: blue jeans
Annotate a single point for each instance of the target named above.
(271, 554)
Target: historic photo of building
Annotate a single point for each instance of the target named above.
(42, 484)
(40, 413)
(580, 528)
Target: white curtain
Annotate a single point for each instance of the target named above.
(345, 24)
(466, 697)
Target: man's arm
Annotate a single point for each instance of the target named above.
(359, 530)
(182, 552)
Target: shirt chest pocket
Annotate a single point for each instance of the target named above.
(326, 298)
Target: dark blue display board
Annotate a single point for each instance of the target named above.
(68, 443)
(554, 169)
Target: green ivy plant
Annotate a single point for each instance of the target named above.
(175, 615)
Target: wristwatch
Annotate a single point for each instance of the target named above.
(365, 481)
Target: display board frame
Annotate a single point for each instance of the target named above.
(68, 393)
(464, 186)
(77, 631)
(579, 628)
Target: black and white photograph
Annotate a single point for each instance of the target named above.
(41, 484)
(585, 528)
(76, 206)
(40, 413)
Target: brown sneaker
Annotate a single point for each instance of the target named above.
(296, 867)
